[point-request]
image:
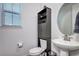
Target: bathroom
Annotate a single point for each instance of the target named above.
(27, 33)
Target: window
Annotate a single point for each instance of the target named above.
(11, 14)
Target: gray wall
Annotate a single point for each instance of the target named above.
(75, 10)
(9, 36)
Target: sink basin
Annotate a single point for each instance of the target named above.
(66, 45)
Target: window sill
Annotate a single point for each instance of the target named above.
(16, 26)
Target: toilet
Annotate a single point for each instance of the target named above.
(38, 50)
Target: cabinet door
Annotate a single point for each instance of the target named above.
(42, 30)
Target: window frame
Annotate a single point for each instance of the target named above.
(3, 11)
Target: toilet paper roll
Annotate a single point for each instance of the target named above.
(20, 45)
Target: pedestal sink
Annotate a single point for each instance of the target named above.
(65, 46)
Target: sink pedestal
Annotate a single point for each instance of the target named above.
(64, 52)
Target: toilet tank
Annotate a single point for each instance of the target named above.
(43, 44)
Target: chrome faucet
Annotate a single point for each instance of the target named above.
(66, 37)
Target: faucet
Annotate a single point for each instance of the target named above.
(66, 37)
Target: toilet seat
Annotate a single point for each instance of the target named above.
(36, 51)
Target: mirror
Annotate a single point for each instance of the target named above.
(64, 20)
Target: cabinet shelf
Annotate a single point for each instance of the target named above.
(42, 11)
(43, 17)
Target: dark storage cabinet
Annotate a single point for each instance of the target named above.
(44, 27)
(44, 23)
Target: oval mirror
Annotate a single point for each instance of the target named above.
(65, 19)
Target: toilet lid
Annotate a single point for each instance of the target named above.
(36, 50)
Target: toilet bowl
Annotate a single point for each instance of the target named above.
(38, 50)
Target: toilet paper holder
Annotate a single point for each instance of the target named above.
(20, 44)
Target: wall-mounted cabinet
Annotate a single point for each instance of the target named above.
(44, 23)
